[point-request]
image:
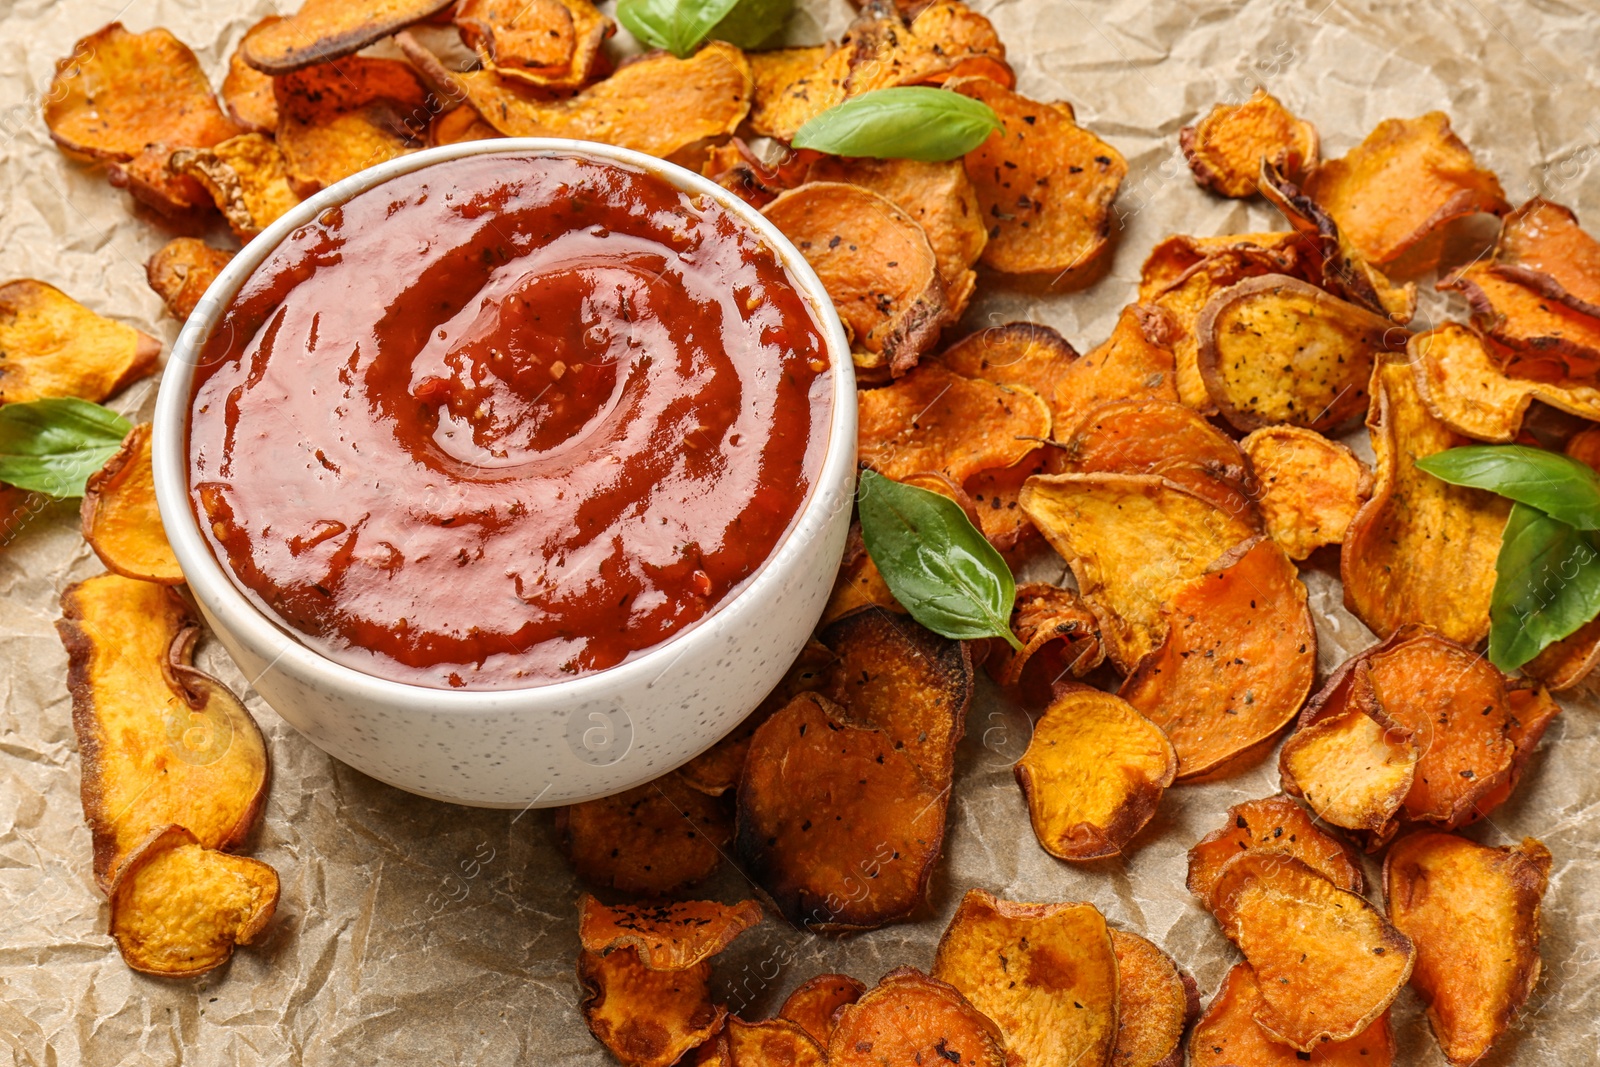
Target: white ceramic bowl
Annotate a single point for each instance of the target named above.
(563, 742)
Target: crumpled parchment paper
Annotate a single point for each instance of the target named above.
(415, 932)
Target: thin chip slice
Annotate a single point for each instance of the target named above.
(1133, 541)
(1460, 378)
(815, 1001)
(665, 937)
(1046, 186)
(1277, 824)
(1093, 773)
(652, 840)
(1408, 178)
(1134, 363)
(246, 92)
(1275, 349)
(1352, 766)
(323, 30)
(1473, 914)
(338, 118)
(247, 177)
(1177, 257)
(1026, 354)
(859, 586)
(835, 822)
(1227, 1034)
(1532, 711)
(460, 124)
(878, 268)
(119, 91)
(997, 497)
(1045, 973)
(646, 1018)
(549, 43)
(181, 272)
(910, 1018)
(1328, 963)
(935, 420)
(773, 73)
(178, 908)
(1155, 1002)
(1239, 658)
(1542, 338)
(150, 179)
(1059, 634)
(1421, 550)
(1307, 487)
(1225, 149)
(53, 346)
(161, 743)
(119, 516)
(773, 1043)
(1542, 247)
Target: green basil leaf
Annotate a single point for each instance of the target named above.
(907, 122)
(676, 25)
(1547, 585)
(52, 446)
(753, 23)
(941, 569)
(1557, 485)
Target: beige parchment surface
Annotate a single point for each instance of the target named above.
(415, 932)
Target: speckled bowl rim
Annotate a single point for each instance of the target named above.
(216, 590)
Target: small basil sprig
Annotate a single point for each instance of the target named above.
(941, 569)
(681, 26)
(52, 446)
(906, 122)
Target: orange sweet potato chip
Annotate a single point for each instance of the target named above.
(161, 742)
(935, 420)
(772, 74)
(835, 821)
(814, 1003)
(1093, 774)
(1420, 550)
(1025, 354)
(328, 29)
(1328, 964)
(1134, 363)
(150, 179)
(1473, 914)
(119, 515)
(665, 937)
(1543, 338)
(1277, 824)
(1408, 178)
(178, 908)
(1227, 1034)
(246, 92)
(909, 1018)
(773, 1041)
(181, 272)
(996, 497)
(859, 585)
(1307, 487)
(246, 176)
(51, 346)
(646, 1018)
(1133, 541)
(1275, 349)
(119, 91)
(1058, 633)
(460, 124)
(1225, 149)
(1532, 710)
(550, 43)
(651, 840)
(1460, 378)
(337, 118)
(1155, 1002)
(1046, 186)
(1542, 247)
(1239, 657)
(1045, 973)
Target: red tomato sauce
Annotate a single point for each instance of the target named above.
(506, 420)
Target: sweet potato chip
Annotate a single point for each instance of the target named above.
(996, 496)
(119, 515)
(1045, 973)
(773, 1043)
(119, 91)
(1543, 338)
(246, 92)
(1352, 765)
(181, 272)
(1155, 1002)
(772, 74)
(909, 1018)
(1025, 354)
(161, 742)
(815, 1001)
(859, 586)
(1473, 914)
(52, 346)
(1128, 365)
(1532, 710)
(150, 179)
(550, 43)
(1460, 378)
(1420, 550)
(1046, 186)
(646, 1018)
(1132, 541)
(651, 840)
(328, 29)
(1225, 149)
(935, 420)
(1542, 247)
(1275, 349)
(1093, 774)
(246, 176)
(1328, 963)
(335, 119)
(1227, 1034)
(1307, 487)
(460, 124)
(178, 908)
(1277, 824)
(1239, 657)
(877, 266)
(835, 821)
(1408, 178)
(665, 937)
(1041, 616)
